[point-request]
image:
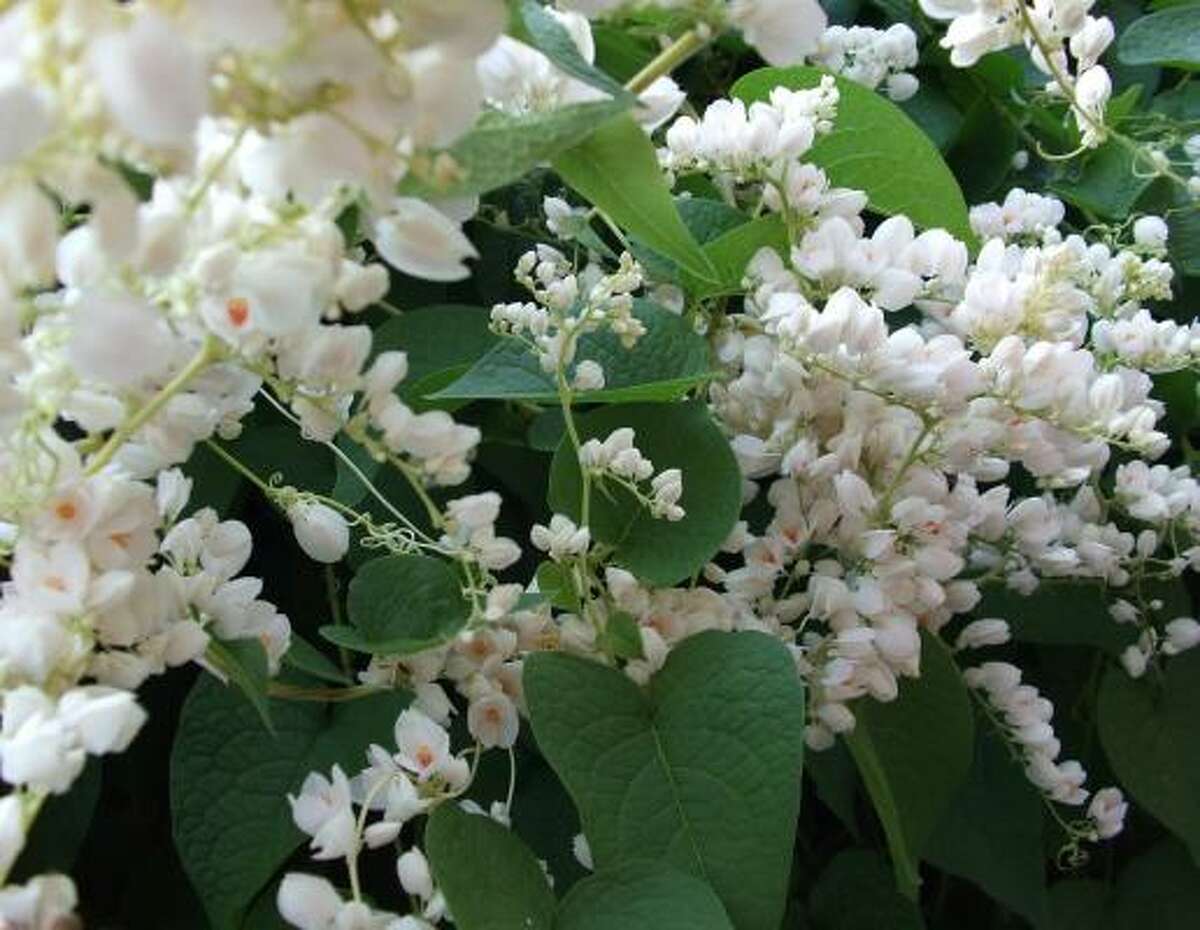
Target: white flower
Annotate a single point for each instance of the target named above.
(44, 903)
(582, 851)
(54, 579)
(323, 810)
(320, 530)
(413, 870)
(783, 31)
(1183, 633)
(308, 902)
(104, 719)
(1107, 811)
(1150, 232)
(589, 376)
(424, 747)
(36, 747)
(119, 340)
(562, 538)
(23, 114)
(492, 720)
(983, 633)
(153, 81)
(423, 242)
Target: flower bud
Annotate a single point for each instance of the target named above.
(320, 530)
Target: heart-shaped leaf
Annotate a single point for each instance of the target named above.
(230, 780)
(489, 877)
(701, 771)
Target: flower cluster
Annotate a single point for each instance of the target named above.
(568, 306)
(872, 57)
(175, 191)
(397, 786)
(1057, 35)
(616, 458)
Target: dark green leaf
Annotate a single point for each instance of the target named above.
(621, 636)
(992, 832)
(707, 776)
(489, 877)
(1107, 184)
(1163, 886)
(855, 892)
(401, 604)
(672, 436)
(708, 219)
(642, 895)
(59, 830)
(229, 783)
(914, 754)
(731, 252)
(1149, 735)
(1058, 613)
(304, 656)
(244, 663)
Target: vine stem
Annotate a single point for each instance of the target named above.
(209, 352)
(1068, 89)
(668, 60)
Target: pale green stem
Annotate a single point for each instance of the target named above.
(209, 352)
(667, 60)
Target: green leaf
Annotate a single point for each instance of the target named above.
(672, 436)
(981, 157)
(620, 52)
(244, 663)
(489, 877)
(438, 338)
(1058, 613)
(1078, 904)
(731, 252)
(932, 109)
(621, 636)
(229, 783)
(304, 656)
(666, 362)
(281, 450)
(708, 219)
(836, 781)
(701, 770)
(555, 582)
(1170, 37)
(616, 170)
(503, 147)
(914, 753)
(1149, 735)
(1161, 885)
(401, 604)
(992, 833)
(1107, 184)
(550, 37)
(642, 895)
(60, 828)
(855, 893)
(875, 148)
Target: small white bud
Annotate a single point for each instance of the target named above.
(320, 530)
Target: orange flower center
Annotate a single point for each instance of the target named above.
(66, 510)
(238, 311)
